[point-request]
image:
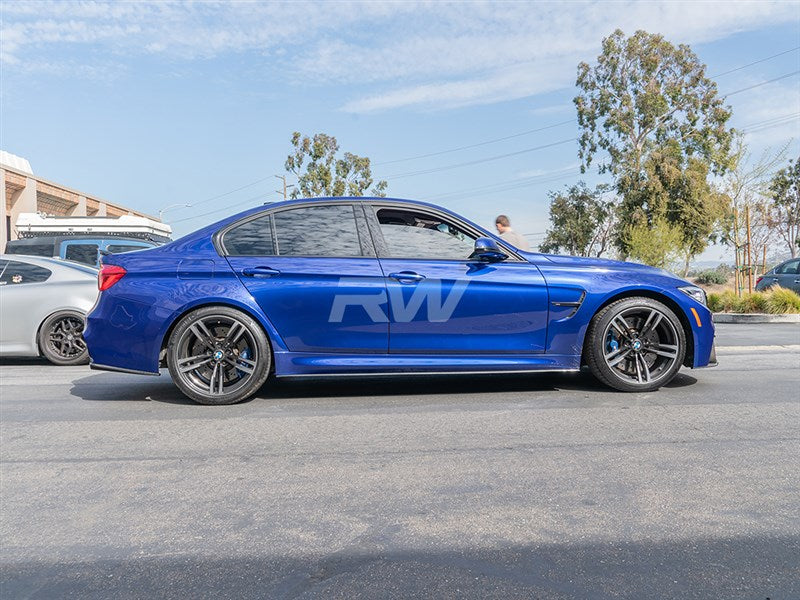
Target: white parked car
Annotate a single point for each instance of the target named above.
(43, 307)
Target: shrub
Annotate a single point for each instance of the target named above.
(775, 300)
(712, 277)
(781, 300)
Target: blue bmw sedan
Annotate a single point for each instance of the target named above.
(349, 286)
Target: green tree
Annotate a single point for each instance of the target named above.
(581, 221)
(785, 209)
(650, 106)
(320, 173)
(658, 244)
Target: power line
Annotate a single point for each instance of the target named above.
(487, 142)
(522, 133)
(501, 139)
(480, 160)
(760, 84)
(224, 208)
(513, 184)
(795, 49)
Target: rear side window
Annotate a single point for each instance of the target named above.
(329, 231)
(253, 238)
(82, 253)
(18, 273)
(317, 231)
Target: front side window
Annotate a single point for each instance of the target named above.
(317, 231)
(789, 268)
(18, 273)
(410, 234)
(82, 253)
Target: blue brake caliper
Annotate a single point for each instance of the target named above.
(612, 343)
(243, 354)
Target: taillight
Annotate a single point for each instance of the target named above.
(109, 275)
(759, 280)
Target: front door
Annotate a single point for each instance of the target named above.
(441, 301)
(313, 271)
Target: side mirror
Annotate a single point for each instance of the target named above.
(487, 250)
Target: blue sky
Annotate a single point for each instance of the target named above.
(154, 104)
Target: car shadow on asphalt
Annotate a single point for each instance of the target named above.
(112, 387)
(724, 567)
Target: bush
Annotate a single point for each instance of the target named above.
(775, 300)
(712, 277)
(781, 300)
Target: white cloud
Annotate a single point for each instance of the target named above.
(426, 55)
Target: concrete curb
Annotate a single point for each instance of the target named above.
(755, 318)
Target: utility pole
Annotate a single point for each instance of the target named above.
(736, 269)
(749, 252)
(285, 187)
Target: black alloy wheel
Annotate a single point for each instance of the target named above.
(218, 355)
(61, 338)
(635, 345)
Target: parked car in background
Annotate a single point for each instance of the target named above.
(366, 286)
(84, 239)
(43, 306)
(785, 275)
(85, 249)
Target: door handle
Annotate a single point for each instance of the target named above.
(407, 276)
(260, 272)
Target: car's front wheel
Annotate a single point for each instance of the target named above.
(61, 338)
(635, 345)
(218, 355)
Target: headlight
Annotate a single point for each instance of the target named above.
(695, 292)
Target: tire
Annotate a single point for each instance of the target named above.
(218, 355)
(635, 345)
(60, 338)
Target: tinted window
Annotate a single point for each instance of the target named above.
(82, 253)
(17, 273)
(30, 249)
(418, 235)
(120, 248)
(253, 238)
(317, 231)
(788, 268)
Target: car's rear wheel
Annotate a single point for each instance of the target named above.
(635, 345)
(61, 338)
(218, 355)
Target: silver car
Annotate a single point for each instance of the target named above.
(43, 306)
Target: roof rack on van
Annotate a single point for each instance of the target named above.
(31, 225)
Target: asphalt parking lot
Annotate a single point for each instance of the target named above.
(551, 486)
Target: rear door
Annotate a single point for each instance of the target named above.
(442, 301)
(312, 269)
